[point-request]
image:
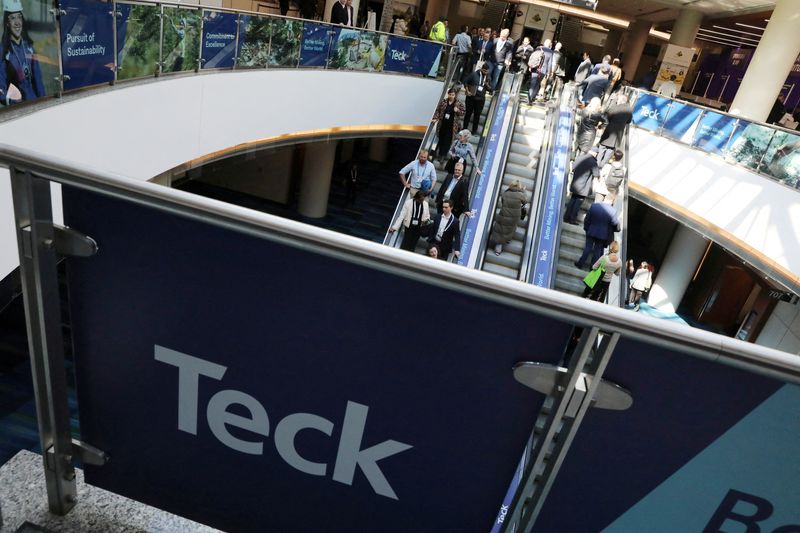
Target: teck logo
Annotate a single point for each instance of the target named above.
(349, 454)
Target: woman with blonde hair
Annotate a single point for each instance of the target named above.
(611, 264)
(642, 279)
(505, 222)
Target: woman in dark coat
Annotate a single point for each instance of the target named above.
(591, 117)
(505, 223)
(448, 116)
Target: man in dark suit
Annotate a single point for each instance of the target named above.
(600, 224)
(594, 86)
(456, 189)
(498, 55)
(445, 232)
(339, 13)
(618, 117)
(584, 170)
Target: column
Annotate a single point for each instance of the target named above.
(771, 63)
(611, 46)
(316, 182)
(378, 147)
(685, 28)
(635, 39)
(673, 277)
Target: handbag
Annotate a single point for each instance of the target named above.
(594, 276)
(479, 63)
(425, 229)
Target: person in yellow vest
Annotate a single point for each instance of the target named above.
(439, 31)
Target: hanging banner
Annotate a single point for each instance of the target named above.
(649, 111)
(219, 39)
(29, 52)
(87, 43)
(356, 423)
(702, 445)
(317, 39)
(681, 122)
(425, 57)
(714, 132)
(398, 54)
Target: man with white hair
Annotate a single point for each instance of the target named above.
(498, 56)
(618, 117)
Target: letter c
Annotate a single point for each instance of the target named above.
(285, 434)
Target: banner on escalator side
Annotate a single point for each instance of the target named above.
(398, 54)
(274, 386)
(425, 58)
(650, 110)
(317, 44)
(87, 43)
(29, 50)
(681, 122)
(702, 445)
(714, 132)
(219, 39)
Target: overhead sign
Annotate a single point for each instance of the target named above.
(243, 382)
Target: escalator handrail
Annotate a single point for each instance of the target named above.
(474, 256)
(623, 245)
(393, 238)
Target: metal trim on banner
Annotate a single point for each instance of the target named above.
(160, 68)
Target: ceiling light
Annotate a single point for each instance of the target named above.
(738, 31)
(720, 40)
(750, 26)
(729, 35)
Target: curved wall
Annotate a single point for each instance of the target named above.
(141, 130)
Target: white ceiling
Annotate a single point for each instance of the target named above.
(667, 10)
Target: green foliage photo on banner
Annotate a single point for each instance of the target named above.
(30, 51)
(254, 35)
(138, 38)
(284, 50)
(181, 41)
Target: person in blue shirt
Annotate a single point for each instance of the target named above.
(20, 66)
(420, 174)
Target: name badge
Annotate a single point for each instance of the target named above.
(480, 89)
(447, 116)
(415, 222)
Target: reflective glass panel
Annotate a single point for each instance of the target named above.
(137, 40)
(181, 39)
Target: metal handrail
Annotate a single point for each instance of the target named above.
(695, 342)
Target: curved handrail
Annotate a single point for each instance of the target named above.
(84, 50)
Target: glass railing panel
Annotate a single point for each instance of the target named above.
(398, 55)
(180, 39)
(715, 132)
(31, 68)
(782, 160)
(358, 50)
(219, 39)
(650, 111)
(681, 122)
(316, 46)
(749, 147)
(285, 38)
(138, 40)
(254, 33)
(87, 50)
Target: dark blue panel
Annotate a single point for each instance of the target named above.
(680, 406)
(219, 39)
(316, 44)
(650, 111)
(398, 54)
(424, 57)
(87, 43)
(300, 333)
(714, 132)
(680, 120)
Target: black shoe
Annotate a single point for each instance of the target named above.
(578, 265)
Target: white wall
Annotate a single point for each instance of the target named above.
(755, 210)
(143, 130)
(782, 330)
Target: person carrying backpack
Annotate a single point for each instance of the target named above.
(539, 66)
(613, 174)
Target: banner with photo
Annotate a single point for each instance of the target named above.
(181, 39)
(398, 54)
(219, 39)
(345, 49)
(782, 159)
(425, 57)
(317, 39)
(87, 43)
(681, 122)
(750, 144)
(138, 40)
(650, 111)
(253, 41)
(284, 45)
(29, 52)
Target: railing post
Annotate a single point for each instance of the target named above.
(36, 239)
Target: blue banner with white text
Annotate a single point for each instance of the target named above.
(681, 123)
(250, 357)
(649, 111)
(219, 39)
(316, 45)
(398, 54)
(714, 132)
(87, 43)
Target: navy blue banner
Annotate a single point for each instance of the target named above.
(703, 444)
(714, 132)
(425, 57)
(257, 386)
(398, 54)
(87, 43)
(316, 45)
(219, 39)
(649, 111)
(542, 275)
(681, 122)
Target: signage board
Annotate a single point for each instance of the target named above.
(650, 111)
(87, 43)
(257, 386)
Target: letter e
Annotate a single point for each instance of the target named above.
(219, 416)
